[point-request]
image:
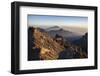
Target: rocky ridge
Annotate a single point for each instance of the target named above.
(50, 49)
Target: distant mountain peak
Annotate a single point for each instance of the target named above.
(53, 28)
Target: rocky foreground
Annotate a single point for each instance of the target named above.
(54, 48)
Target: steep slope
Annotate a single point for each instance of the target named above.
(49, 48)
(82, 42)
(47, 45)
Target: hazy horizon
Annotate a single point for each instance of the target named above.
(71, 23)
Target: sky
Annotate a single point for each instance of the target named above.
(49, 21)
(74, 24)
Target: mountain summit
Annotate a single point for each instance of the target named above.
(53, 28)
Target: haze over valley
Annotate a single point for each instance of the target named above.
(57, 37)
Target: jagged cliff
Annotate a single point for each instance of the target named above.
(49, 47)
(54, 48)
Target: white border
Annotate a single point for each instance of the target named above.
(26, 65)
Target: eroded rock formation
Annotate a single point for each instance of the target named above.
(53, 48)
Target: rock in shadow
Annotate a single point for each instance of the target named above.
(66, 54)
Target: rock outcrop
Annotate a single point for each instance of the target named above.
(54, 48)
(49, 47)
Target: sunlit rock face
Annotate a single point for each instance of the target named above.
(46, 47)
(49, 47)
